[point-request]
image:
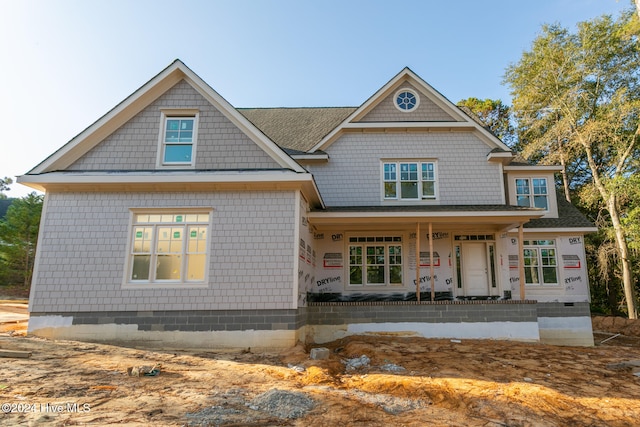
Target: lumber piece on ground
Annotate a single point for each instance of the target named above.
(15, 353)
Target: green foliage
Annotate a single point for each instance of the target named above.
(18, 239)
(576, 102)
(4, 186)
(493, 114)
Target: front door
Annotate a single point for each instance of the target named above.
(475, 277)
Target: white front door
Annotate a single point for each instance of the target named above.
(475, 277)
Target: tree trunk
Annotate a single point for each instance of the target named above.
(565, 180)
(621, 238)
(623, 251)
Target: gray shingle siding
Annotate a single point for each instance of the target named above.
(134, 146)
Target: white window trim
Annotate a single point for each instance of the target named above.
(180, 113)
(371, 287)
(398, 198)
(531, 194)
(128, 283)
(406, 89)
(538, 248)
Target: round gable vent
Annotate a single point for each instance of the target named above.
(406, 100)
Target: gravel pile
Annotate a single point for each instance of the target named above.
(283, 404)
(233, 407)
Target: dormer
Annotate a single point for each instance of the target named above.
(532, 186)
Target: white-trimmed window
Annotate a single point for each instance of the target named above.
(406, 100)
(409, 180)
(532, 192)
(375, 261)
(178, 139)
(540, 262)
(169, 247)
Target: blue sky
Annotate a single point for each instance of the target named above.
(66, 63)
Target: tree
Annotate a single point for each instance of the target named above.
(576, 98)
(4, 186)
(493, 114)
(18, 239)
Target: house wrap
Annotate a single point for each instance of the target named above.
(179, 220)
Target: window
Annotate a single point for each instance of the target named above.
(375, 261)
(540, 262)
(409, 180)
(178, 140)
(168, 247)
(406, 100)
(532, 192)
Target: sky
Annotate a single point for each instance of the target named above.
(65, 63)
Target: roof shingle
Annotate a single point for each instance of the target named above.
(296, 128)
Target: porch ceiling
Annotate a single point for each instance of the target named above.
(496, 217)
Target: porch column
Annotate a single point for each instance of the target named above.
(433, 280)
(521, 259)
(418, 261)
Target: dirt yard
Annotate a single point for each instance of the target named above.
(400, 382)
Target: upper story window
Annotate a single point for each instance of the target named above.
(408, 180)
(168, 247)
(532, 192)
(178, 139)
(406, 100)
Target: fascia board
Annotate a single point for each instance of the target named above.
(564, 230)
(158, 181)
(112, 120)
(141, 98)
(444, 214)
(323, 218)
(534, 168)
(160, 177)
(440, 100)
(248, 128)
(408, 125)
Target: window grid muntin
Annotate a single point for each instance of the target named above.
(179, 134)
(375, 261)
(540, 260)
(409, 180)
(165, 237)
(532, 192)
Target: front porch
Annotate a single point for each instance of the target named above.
(520, 320)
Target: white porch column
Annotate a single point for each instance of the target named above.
(521, 259)
(418, 262)
(433, 280)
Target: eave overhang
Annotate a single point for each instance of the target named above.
(140, 99)
(528, 168)
(559, 230)
(310, 158)
(502, 219)
(156, 181)
(460, 121)
(503, 157)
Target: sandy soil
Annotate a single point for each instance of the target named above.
(406, 382)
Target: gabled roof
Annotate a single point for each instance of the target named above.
(141, 98)
(461, 120)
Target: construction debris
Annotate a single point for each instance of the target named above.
(624, 365)
(357, 363)
(15, 354)
(147, 371)
(320, 353)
